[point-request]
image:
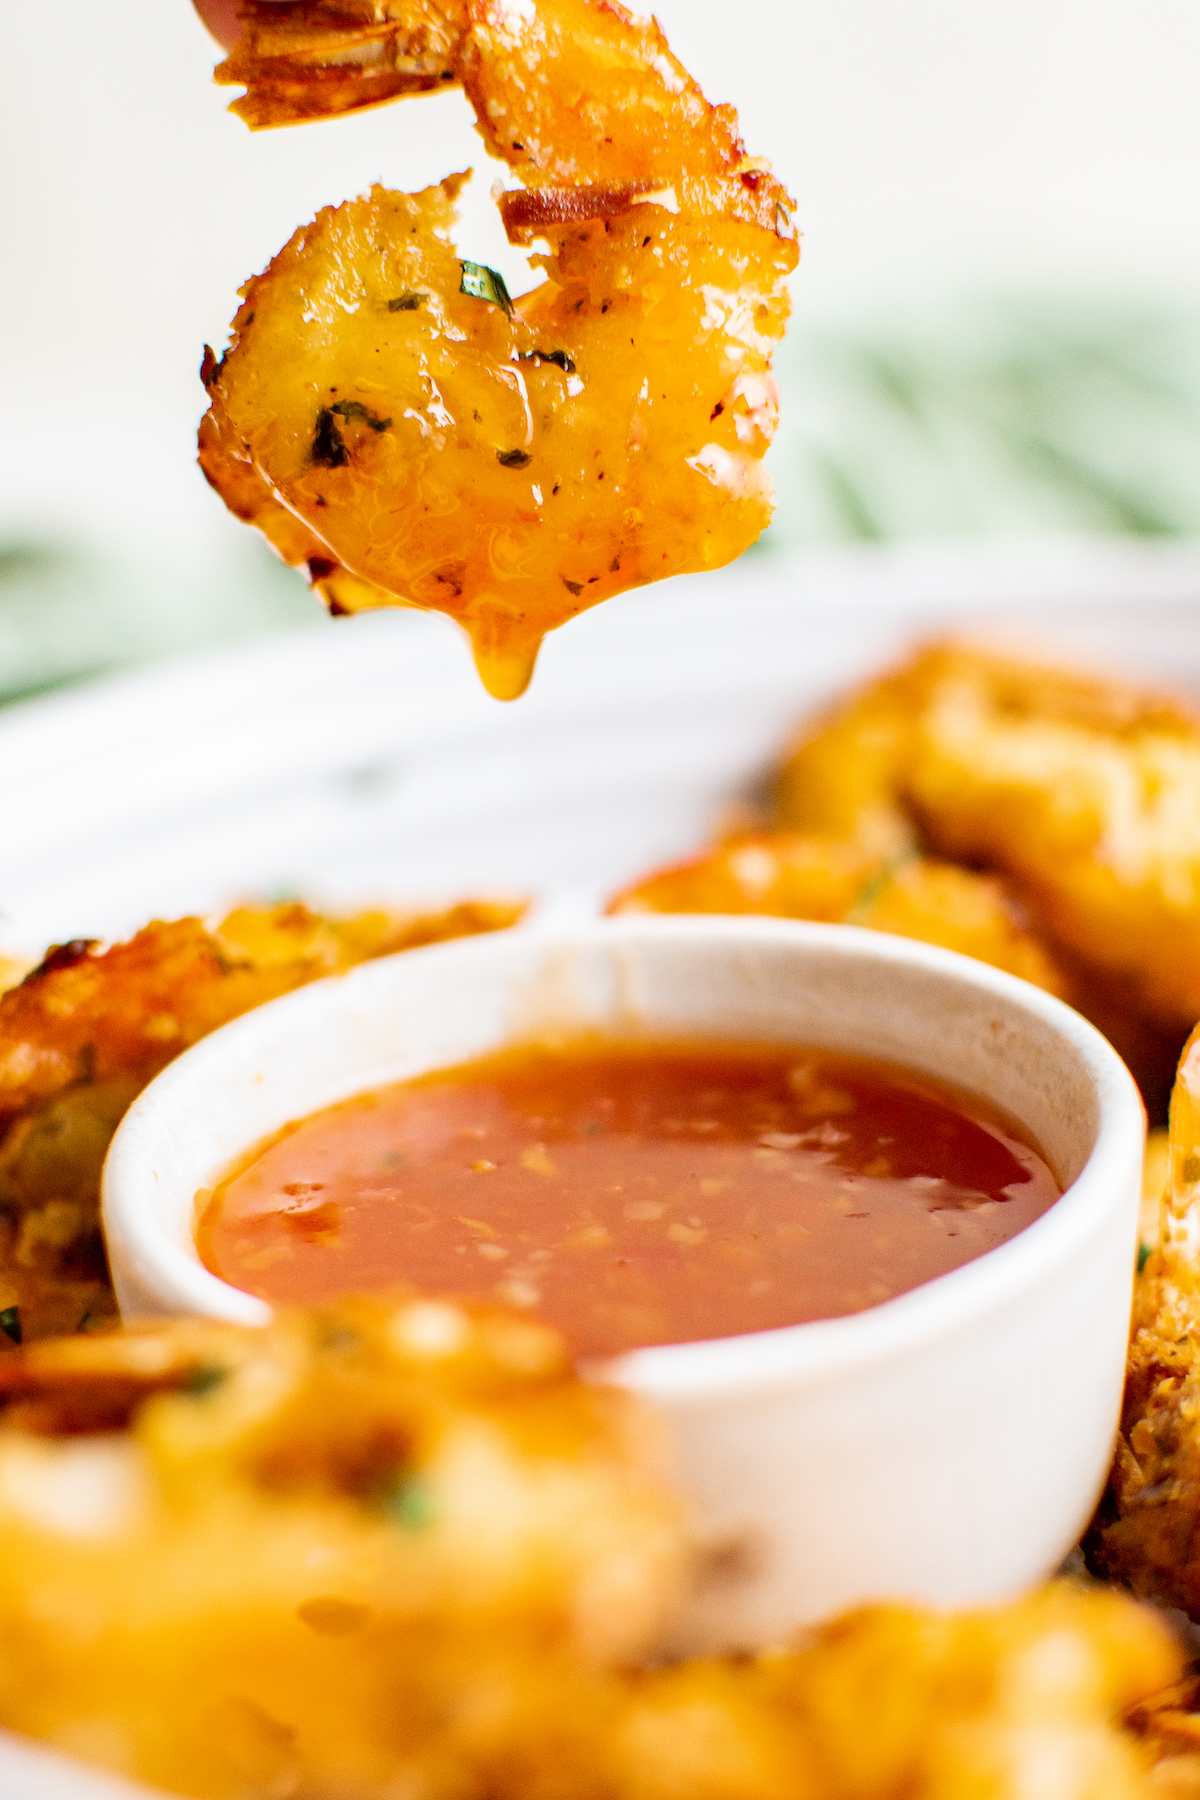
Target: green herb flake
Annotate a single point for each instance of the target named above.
(354, 409)
(406, 302)
(10, 1323)
(203, 1379)
(328, 447)
(559, 358)
(1143, 1256)
(410, 1503)
(482, 283)
(882, 878)
(513, 459)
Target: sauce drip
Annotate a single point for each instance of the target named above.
(634, 1194)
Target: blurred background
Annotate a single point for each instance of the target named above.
(997, 314)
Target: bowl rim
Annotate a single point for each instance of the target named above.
(690, 1372)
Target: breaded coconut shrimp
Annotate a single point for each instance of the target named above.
(84, 1032)
(393, 1547)
(399, 426)
(1147, 1532)
(1081, 792)
(792, 875)
(333, 1557)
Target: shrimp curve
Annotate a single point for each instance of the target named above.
(396, 423)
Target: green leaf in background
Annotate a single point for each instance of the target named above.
(999, 417)
(68, 612)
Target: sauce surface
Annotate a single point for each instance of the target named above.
(633, 1194)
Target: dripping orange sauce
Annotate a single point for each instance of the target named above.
(633, 1194)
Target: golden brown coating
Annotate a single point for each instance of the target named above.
(793, 875)
(316, 1559)
(317, 59)
(393, 1546)
(780, 873)
(889, 1703)
(1147, 1531)
(570, 93)
(395, 423)
(1083, 791)
(1156, 1169)
(85, 1031)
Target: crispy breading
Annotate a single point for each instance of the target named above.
(86, 1030)
(393, 1546)
(1083, 791)
(787, 874)
(794, 875)
(1043, 821)
(1147, 1530)
(241, 1563)
(569, 93)
(315, 60)
(394, 422)
(1156, 1168)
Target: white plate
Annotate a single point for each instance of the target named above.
(364, 762)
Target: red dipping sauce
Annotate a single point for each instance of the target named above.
(633, 1194)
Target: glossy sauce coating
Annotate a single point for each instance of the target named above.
(634, 1194)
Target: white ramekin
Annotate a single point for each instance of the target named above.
(946, 1446)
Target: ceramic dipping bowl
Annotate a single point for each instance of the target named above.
(946, 1446)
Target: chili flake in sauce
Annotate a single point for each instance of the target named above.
(634, 1194)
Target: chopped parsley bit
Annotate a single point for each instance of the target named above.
(409, 1502)
(559, 358)
(329, 447)
(1143, 1256)
(883, 876)
(10, 1323)
(573, 587)
(203, 1379)
(513, 459)
(354, 409)
(482, 283)
(406, 302)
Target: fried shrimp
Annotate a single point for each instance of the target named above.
(394, 1546)
(1042, 820)
(1147, 1532)
(1085, 793)
(792, 875)
(83, 1034)
(396, 423)
(318, 1558)
(890, 1703)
